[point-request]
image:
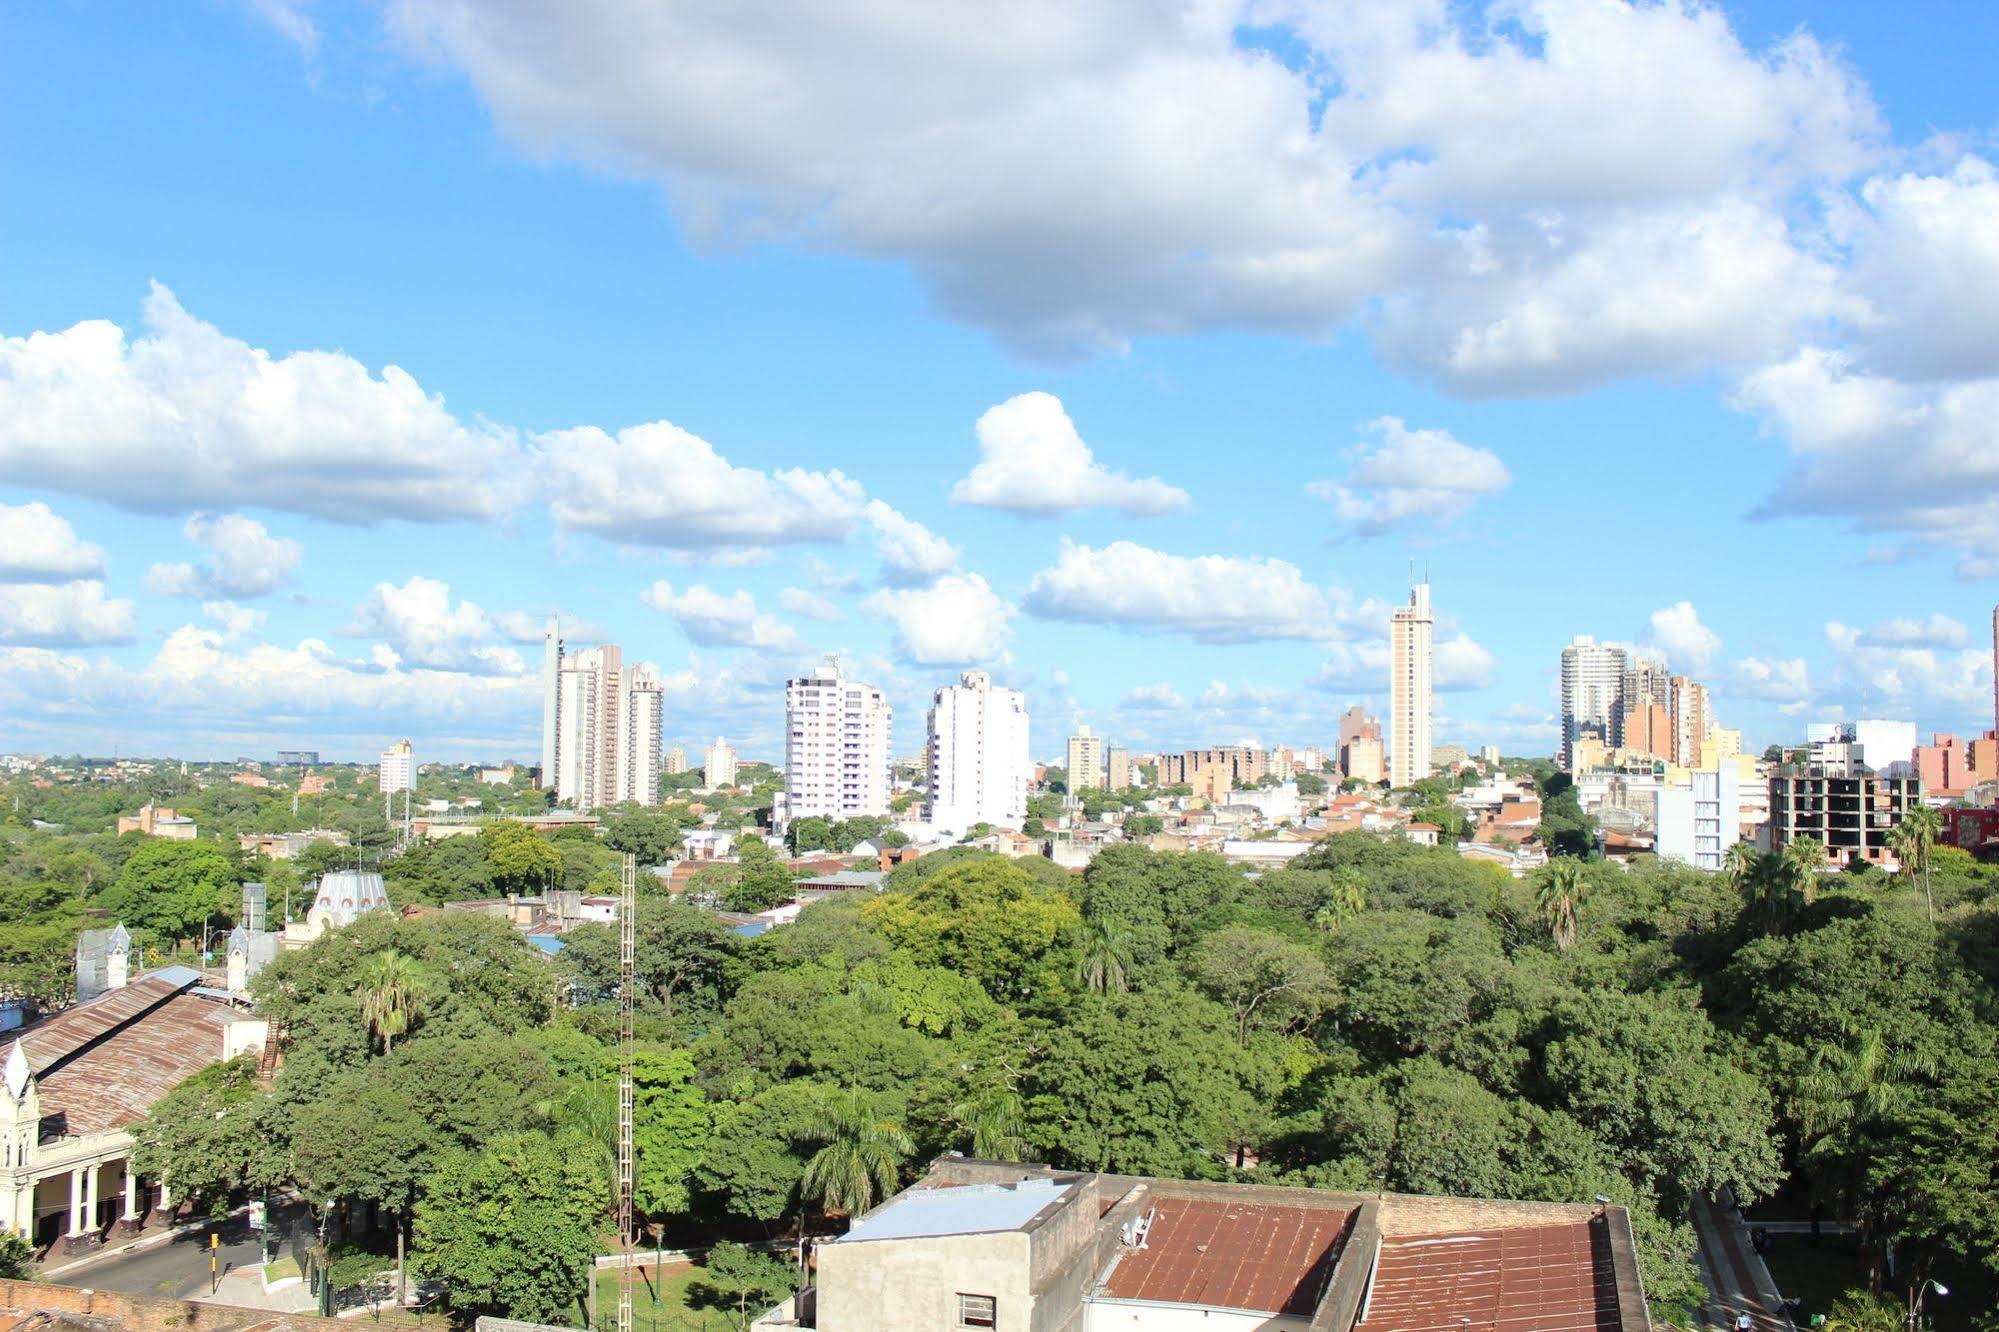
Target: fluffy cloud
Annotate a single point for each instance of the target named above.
(910, 552)
(1677, 632)
(803, 601)
(233, 620)
(1209, 598)
(1071, 177)
(187, 417)
(62, 614)
(1928, 263)
(1031, 460)
(1785, 681)
(1157, 697)
(958, 619)
(419, 623)
(41, 547)
(1411, 474)
(245, 560)
(659, 485)
(1912, 674)
(1459, 663)
(711, 619)
(1938, 631)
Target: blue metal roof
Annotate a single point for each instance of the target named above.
(969, 1209)
(548, 943)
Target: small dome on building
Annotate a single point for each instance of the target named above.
(345, 894)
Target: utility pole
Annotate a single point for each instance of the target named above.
(627, 1155)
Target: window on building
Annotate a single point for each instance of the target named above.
(977, 1311)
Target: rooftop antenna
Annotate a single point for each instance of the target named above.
(627, 1157)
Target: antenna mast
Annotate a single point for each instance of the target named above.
(627, 1156)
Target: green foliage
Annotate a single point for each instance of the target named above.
(519, 859)
(742, 1282)
(671, 1119)
(511, 1229)
(761, 882)
(209, 1136)
(986, 919)
(17, 1258)
(172, 889)
(862, 1147)
(654, 838)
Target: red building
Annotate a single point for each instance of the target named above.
(1973, 830)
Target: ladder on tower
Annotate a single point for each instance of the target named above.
(627, 1155)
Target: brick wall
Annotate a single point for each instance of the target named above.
(142, 1313)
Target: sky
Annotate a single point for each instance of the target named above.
(1137, 353)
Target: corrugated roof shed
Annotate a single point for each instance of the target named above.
(103, 1064)
(1550, 1278)
(1233, 1255)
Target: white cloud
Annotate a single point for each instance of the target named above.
(1677, 632)
(1913, 674)
(803, 601)
(62, 614)
(526, 627)
(246, 560)
(1460, 663)
(957, 619)
(910, 552)
(41, 547)
(1210, 598)
(1785, 681)
(233, 620)
(187, 417)
(712, 619)
(421, 625)
(290, 18)
(1928, 262)
(1412, 474)
(1070, 177)
(1359, 667)
(1938, 631)
(1032, 461)
(1156, 697)
(659, 485)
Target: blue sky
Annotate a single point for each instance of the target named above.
(1667, 324)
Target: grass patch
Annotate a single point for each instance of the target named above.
(657, 1306)
(282, 1270)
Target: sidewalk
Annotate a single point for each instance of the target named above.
(147, 1240)
(245, 1287)
(1733, 1271)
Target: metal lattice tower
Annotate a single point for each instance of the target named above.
(627, 1154)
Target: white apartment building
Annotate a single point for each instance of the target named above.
(398, 768)
(601, 725)
(979, 765)
(1410, 631)
(719, 769)
(676, 761)
(1592, 689)
(1086, 761)
(836, 748)
(1697, 823)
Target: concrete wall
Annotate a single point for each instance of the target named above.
(914, 1284)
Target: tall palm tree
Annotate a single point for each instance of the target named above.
(1738, 863)
(1561, 892)
(860, 1161)
(993, 1120)
(394, 992)
(1346, 897)
(1104, 965)
(1914, 838)
(1804, 861)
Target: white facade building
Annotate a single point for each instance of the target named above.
(836, 747)
(719, 770)
(1409, 633)
(1086, 761)
(398, 768)
(601, 726)
(1592, 688)
(979, 765)
(644, 720)
(1697, 823)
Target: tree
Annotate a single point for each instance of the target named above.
(208, 1136)
(1262, 977)
(510, 1229)
(1104, 964)
(394, 992)
(992, 1123)
(983, 917)
(742, 1281)
(671, 1121)
(762, 880)
(519, 859)
(17, 1258)
(652, 838)
(172, 889)
(860, 1161)
(1560, 894)
(1803, 861)
(1914, 839)
(754, 1157)
(1346, 897)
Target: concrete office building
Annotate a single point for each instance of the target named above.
(1693, 719)
(1086, 761)
(836, 747)
(1592, 686)
(1410, 630)
(978, 755)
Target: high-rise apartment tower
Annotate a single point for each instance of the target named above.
(1409, 633)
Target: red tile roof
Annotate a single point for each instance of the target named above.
(102, 1065)
(1233, 1255)
(1530, 1279)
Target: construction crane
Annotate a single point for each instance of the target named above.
(627, 1154)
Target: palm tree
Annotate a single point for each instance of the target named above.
(1738, 864)
(1104, 966)
(1914, 838)
(861, 1159)
(1562, 890)
(1804, 861)
(394, 992)
(993, 1119)
(1346, 897)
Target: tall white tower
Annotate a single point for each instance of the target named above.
(644, 720)
(836, 747)
(551, 716)
(1592, 692)
(1410, 630)
(979, 765)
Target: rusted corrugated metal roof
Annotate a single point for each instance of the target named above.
(1233, 1255)
(103, 1064)
(1555, 1278)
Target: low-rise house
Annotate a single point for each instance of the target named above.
(157, 822)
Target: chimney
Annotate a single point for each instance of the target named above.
(118, 960)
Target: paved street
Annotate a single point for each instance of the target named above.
(177, 1267)
(1733, 1272)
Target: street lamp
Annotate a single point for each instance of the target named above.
(1916, 1300)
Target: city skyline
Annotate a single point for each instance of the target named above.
(530, 367)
